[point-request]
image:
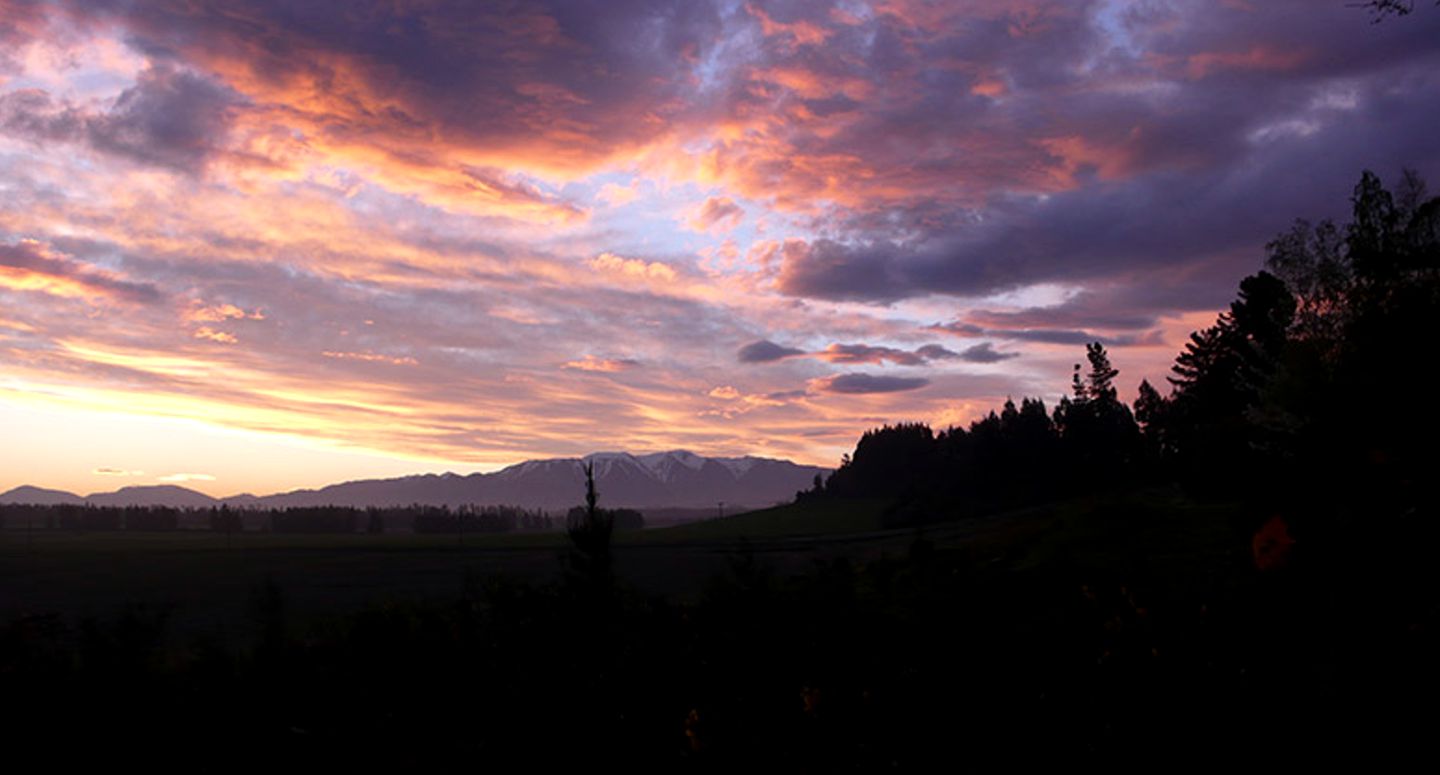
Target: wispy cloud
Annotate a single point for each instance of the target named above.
(606, 365)
(857, 383)
(181, 478)
(105, 471)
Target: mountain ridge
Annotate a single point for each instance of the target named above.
(672, 479)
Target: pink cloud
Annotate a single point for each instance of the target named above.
(603, 365)
(717, 214)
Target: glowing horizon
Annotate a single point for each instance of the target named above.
(256, 246)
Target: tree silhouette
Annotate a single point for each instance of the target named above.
(1150, 415)
(1096, 429)
(1264, 399)
(887, 462)
(1099, 385)
(590, 534)
(1379, 9)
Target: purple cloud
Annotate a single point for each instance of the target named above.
(857, 383)
(766, 351)
(864, 353)
(985, 353)
(169, 118)
(33, 266)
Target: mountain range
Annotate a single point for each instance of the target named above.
(676, 479)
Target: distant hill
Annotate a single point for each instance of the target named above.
(156, 495)
(663, 480)
(40, 496)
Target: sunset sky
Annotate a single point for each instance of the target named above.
(252, 246)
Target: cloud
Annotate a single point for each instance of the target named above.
(169, 118)
(864, 353)
(30, 265)
(765, 351)
(1088, 310)
(34, 115)
(616, 195)
(105, 471)
(548, 83)
(178, 478)
(860, 383)
(985, 353)
(393, 360)
(717, 214)
(632, 268)
(934, 352)
(213, 335)
(605, 365)
(1050, 335)
(200, 312)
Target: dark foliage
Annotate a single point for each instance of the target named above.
(315, 519)
(622, 519)
(474, 519)
(1022, 455)
(1380, 9)
(323, 519)
(1281, 392)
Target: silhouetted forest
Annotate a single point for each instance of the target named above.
(1237, 570)
(293, 520)
(1294, 400)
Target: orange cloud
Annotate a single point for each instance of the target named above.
(30, 265)
(802, 32)
(1261, 57)
(632, 268)
(217, 313)
(371, 358)
(604, 365)
(616, 195)
(205, 332)
(178, 478)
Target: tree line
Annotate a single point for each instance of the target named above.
(415, 518)
(1291, 399)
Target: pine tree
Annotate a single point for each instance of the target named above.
(1099, 383)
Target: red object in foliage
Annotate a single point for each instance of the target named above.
(1271, 544)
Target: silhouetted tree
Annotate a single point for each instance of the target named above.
(1150, 415)
(590, 534)
(1380, 9)
(887, 462)
(1097, 430)
(1218, 381)
(1365, 304)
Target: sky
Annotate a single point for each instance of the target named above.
(255, 245)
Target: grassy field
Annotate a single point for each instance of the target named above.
(207, 581)
(795, 519)
(1109, 626)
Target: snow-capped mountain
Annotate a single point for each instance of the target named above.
(676, 479)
